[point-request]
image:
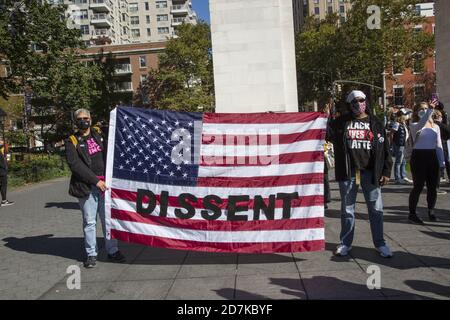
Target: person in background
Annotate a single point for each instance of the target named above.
(86, 156)
(399, 138)
(445, 139)
(426, 160)
(4, 174)
(362, 158)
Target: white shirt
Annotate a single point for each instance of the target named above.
(427, 138)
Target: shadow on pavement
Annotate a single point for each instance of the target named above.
(63, 205)
(426, 286)
(402, 260)
(70, 248)
(323, 287)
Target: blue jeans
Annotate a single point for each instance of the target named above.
(400, 163)
(90, 206)
(372, 195)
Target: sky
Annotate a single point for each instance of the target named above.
(202, 9)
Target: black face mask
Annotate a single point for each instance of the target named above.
(83, 124)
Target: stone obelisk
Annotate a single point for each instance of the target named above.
(254, 56)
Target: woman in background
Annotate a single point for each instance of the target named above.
(426, 160)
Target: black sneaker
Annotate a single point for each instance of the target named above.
(117, 257)
(90, 262)
(431, 216)
(415, 219)
(6, 203)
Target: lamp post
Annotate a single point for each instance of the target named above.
(2, 123)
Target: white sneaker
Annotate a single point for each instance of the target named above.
(385, 252)
(342, 250)
(408, 180)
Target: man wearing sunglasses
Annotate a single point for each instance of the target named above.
(362, 158)
(86, 156)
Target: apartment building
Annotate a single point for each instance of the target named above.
(321, 8)
(156, 20)
(412, 85)
(115, 22)
(132, 64)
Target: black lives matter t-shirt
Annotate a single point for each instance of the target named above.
(359, 138)
(95, 152)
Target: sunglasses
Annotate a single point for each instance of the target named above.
(87, 119)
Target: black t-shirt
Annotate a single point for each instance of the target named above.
(359, 138)
(95, 151)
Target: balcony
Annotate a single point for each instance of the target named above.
(101, 20)
(123, 69)
(180, 8)
(101, 5)
(123, 87)
(179, 21)
(98, 33)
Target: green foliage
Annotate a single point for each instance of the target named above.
(36, 168)
(328, 51)
(16, 138)
(41, 51)
(184, 80)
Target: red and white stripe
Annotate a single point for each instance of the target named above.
(232, 165)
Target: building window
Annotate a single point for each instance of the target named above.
(147, 19)
(161, 4)
(162, 17)
(134, 20)
(330, 10)
(163, 30)
(149, 32)
(397, 67)
(419, 93)
(147, 6)
(135, 33)
(133, 7)
(317, 11)
(342, 9)
(419, 63)
(398, 96)
(142, 61)
(143, 78)
(124, 30)
(84, 29)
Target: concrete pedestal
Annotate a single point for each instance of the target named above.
(254, 56)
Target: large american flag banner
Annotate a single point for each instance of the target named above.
(247, 183)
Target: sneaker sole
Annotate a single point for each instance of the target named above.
(7, 204)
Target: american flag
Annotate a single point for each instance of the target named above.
(248, 183)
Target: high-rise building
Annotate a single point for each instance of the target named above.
(321, 8)
(127, 21)
(300, 8)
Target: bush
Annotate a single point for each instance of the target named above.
(36, 168)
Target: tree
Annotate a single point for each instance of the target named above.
(352, 51)
(41, 51)
(184, 80)
(69, 85)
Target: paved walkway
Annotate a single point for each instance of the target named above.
(41, 236)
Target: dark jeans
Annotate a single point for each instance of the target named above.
(3, 186)
(424, 169)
